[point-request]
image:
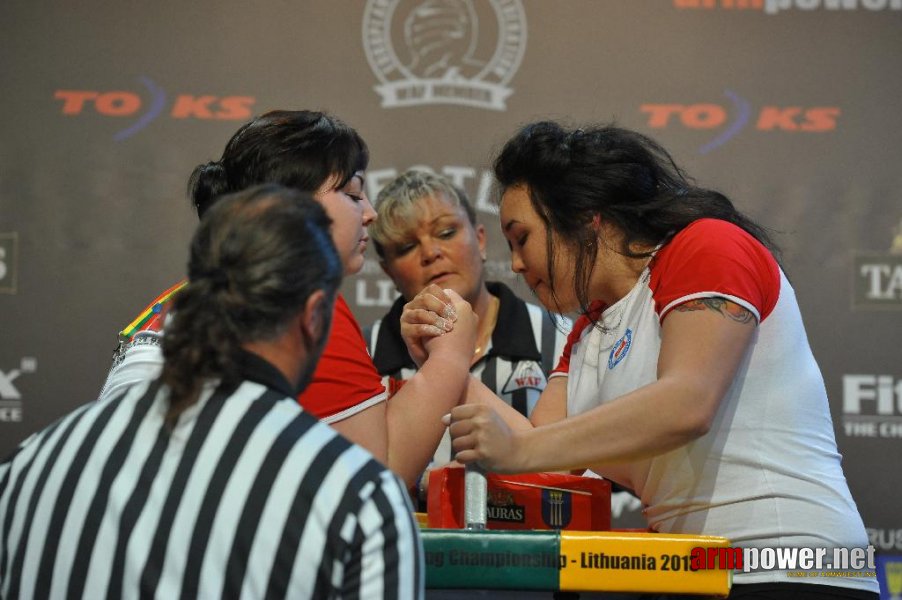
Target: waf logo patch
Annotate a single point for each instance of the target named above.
(527, 375)
(620, 349)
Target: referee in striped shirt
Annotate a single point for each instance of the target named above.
(212, 482)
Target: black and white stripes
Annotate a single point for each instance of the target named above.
(248, 496)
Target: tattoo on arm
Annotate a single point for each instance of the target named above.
(728, 309)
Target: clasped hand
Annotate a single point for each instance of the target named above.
(431, 314)
(480, 435)
(436, 317)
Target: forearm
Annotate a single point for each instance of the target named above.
(478, 393)
(415, 412)
(650, 421)
(701, 353)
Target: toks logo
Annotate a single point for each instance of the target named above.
(10, 397)
(130, 104)
(709, 116)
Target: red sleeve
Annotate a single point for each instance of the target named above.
(714, 258)
(581, 324)
(345, 381)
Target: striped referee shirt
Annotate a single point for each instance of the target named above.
(248, 496)
(526, 345)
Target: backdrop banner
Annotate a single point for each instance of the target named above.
(789, 107)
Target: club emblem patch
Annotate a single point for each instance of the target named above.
(557, 508)
(620, 349)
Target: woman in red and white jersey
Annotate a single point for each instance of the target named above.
(688, 377)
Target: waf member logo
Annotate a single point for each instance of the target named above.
(620, 349)
(725, 120)
(527, 375)
(444, 51)
(140, 108)
(10, 397)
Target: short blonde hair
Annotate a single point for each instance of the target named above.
(397, 204)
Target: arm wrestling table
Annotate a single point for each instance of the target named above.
(476, 558)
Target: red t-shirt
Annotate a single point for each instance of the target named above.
(345, 381)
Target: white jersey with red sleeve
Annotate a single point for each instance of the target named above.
(768, 472)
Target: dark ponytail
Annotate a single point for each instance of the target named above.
(298, 149)
(207, 182)
(255, 259)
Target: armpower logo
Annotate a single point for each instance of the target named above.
(142, 108)
(725, 121)
(444, 51)
(773, 7)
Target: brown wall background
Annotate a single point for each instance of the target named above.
(790, 107)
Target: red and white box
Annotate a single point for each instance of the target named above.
(530, 501)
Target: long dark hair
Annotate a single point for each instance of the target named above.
(299, 149)
(620, 175)
(255, 259)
